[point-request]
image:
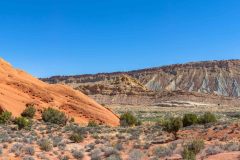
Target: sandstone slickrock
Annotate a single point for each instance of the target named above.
(221, 78)
(18, 88)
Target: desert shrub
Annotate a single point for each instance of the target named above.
(56, 140)
(78, 154)
(76, 138)
(188, 154)
(162, 151)
(54, 116)
(72, 120)
(42, 156)
(195, 146)
(213, 150)
(207, 118)
(77, 129)
(172, 125)
(189, 119)
(173, 146)
(4, 137)
(45, 145)
(29, 139)
(1, 150)
(17, 148)
(62, 145)
(136, 154)
(29, 112)
(28, 158)
(119, 146)
(139, 123)
(114, 157)
(95, 135)
(90, 146)
(30, 150)
(96, 154)
(92, 124)
(98, 141)
(64, 157)
(108, 151)
(232, 146)
(233, 115)
(5, 117)
(23, 123)
(127, 119)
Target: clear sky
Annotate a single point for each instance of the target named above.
(64, 37)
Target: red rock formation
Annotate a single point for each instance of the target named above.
(18, 88)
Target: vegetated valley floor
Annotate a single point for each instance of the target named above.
(155, 113)
(145, 142)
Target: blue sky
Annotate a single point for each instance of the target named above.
(64, 37)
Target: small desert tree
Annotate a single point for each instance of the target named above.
(76, 138)
(54, 116)
(192, 148)
(189, 119)
(127, 119)
(173, 125)
(29, 112)
(5, 117)
(23, 123)
(207, 118)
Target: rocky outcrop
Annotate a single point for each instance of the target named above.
(18, 88)
(211, 77)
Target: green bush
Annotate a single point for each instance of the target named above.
(76, 138)
(189, 119)
(188, 154)
(207, 118)
(127, 119)
(72, 120)
(192, 148)
(23, 122)
(5, 117)
(92, 124)
(139, 123)
(29, 112)
(45, 145)
(195, 146)
(172, 125)
(54, 116)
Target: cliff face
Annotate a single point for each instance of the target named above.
(218, 77)
(211, 77)
(17, 88)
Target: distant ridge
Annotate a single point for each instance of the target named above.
(145, 69)
(209, 77)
